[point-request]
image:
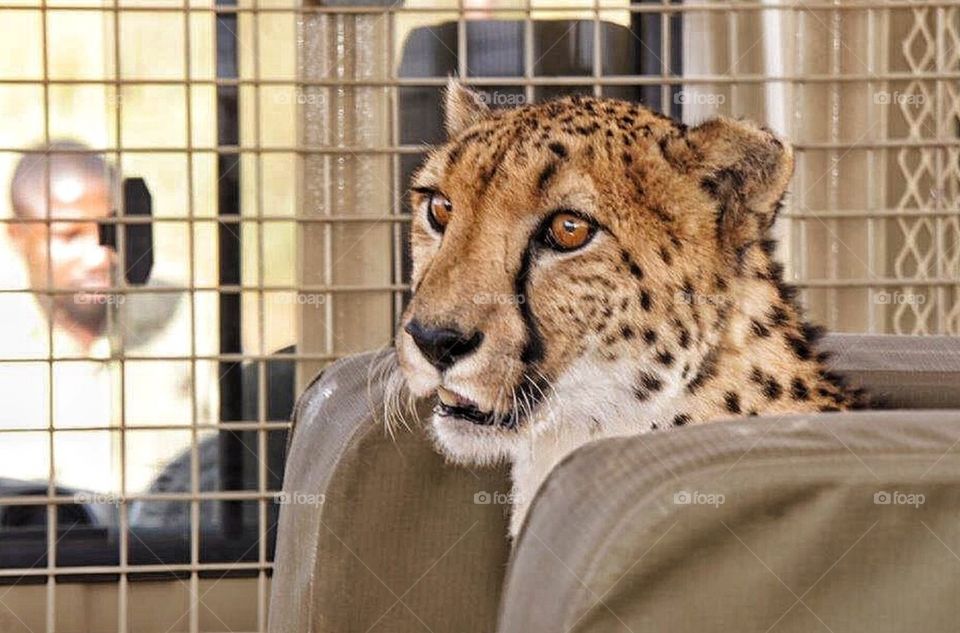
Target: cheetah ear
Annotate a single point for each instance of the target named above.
(462, 108)
(744, 167)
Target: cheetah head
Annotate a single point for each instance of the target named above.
(571, 261)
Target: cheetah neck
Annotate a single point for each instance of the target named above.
(760, 360)
(586, 410)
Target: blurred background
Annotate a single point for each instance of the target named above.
(203, 204)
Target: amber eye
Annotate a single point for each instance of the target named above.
(568, 231)
(439, 210)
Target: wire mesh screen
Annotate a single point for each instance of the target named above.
(205, 205)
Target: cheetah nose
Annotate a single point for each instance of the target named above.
(442, 346)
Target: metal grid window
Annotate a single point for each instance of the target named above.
(267, 148)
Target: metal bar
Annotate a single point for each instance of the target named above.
(833, 178)
(919, 212)
(133, 569)
(266, 425)
(230, 257)
(51, 587)
(721, 7)
(236, 356)
(423, 149)
(872, 255)
(262, 453)
(536, 80)
(195, 472)
(234, 288)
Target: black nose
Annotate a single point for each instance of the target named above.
(442, 346)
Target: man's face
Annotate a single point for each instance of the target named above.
(75, 260)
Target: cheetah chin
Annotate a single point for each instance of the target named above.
(587, 268)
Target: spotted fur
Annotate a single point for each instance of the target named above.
(675, 313)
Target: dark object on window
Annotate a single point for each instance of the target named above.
(160, 530)
(175, 477)
(33, 516)
(138, 243)
(138, 236)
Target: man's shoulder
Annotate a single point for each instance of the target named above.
(150, 316)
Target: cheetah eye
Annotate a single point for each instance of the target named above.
(439, 210)
(567, 231)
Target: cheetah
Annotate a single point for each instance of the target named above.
(587, 268)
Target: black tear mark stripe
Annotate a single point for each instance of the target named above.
(533, 349)
(533, 388)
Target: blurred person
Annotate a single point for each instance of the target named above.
(72, 191)
(66, 253)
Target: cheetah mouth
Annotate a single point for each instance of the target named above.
(452, 405)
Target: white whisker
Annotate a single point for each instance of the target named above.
(398, 405)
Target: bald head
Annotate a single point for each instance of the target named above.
(65, 253)
(73, 172)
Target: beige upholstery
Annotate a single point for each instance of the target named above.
(919, 372)
(725, 527)
(399, 543)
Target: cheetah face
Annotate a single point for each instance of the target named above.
(556, 249)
